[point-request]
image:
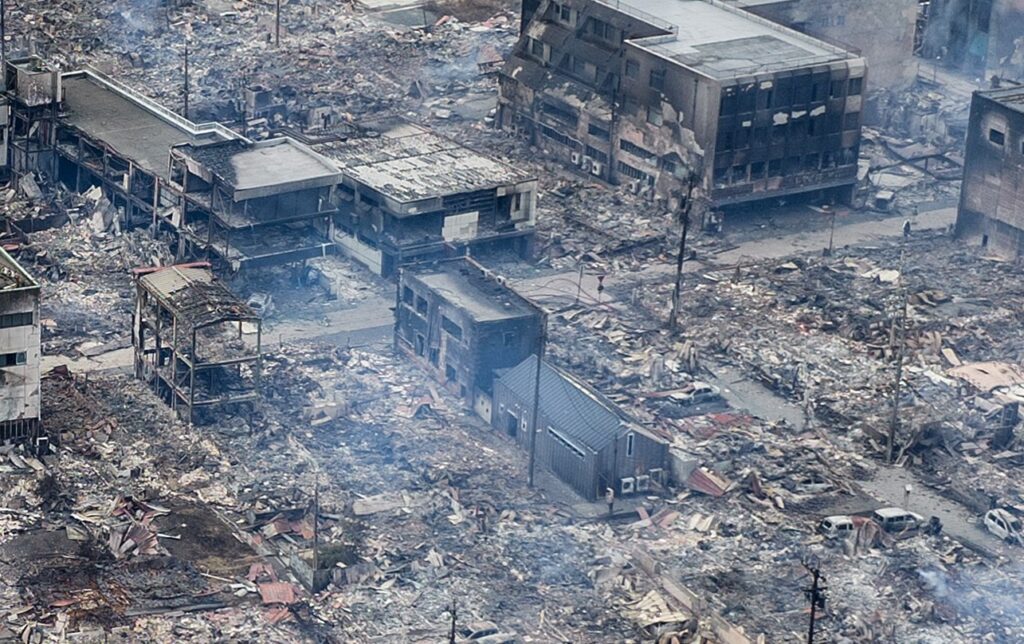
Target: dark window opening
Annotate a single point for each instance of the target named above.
(632, 68)
(596, 154)
(851, 121)
(757, 170)
(12, 359)
(811, 161)
(449, 372)
(509, 339)
(856, 86)
(538, 49)
(599, 132)
(658, 78)
(421, 306)
(629, 444)
(421, 345)
(451, 328)
(729, 103)
(835, 89)
(15, 319)
(775, 168)
(996, 136)
(434, 355)
(407, 295)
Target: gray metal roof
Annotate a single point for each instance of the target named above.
(194, 297)
(572, 408)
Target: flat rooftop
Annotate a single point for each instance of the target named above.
(408, 163)
(483, 299)
(129, 125)
(12, 275)
(1011, 97)
(722, 41)
(265, 168)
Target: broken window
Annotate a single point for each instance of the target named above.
(596, 154)
(721, 177)
(668, 165)
(555, 135)
(856, 86)
(792, 165)
(451, 328)
(775, 168)
(632, 68)
(537, 47)
(757, 170)
(778, 133)
(12, 359)
(739, 174)
(996, 136)
(449, 372)
(421, 306)
(15, 319)
(421, 345)
(407, 295)
(658, 79)
(836, 89)
(725, 140)
(636, 150)
(729, 103)
(602, 29)
(760, 135)
(811, 161)
(599, 132)
(631, 172)
(851, 121)
(654, 116)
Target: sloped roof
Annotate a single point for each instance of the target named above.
(577, 411)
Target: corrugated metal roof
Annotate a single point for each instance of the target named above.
(574, 409)
(168, 281)
(194, 296)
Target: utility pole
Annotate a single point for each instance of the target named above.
(831, 231)
(816, 593)
(677, 291)
(900, 345)
(3, 30)
(316, 528)
(536, 396)
(451, 635)
(186, 74)
(277, 26)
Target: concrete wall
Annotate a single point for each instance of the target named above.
(19, 384)
(992, 196)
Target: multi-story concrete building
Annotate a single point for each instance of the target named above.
(981, 37)
(639, 92)
(19, 351)
(992, 196)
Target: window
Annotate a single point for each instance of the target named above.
(565, 15)
(851, 121)
(729, 103)
(856, 86)
(632, 172)
(778, 133)
(629, 444)
(407, 295)
(757, 170)
(15, 319)
(596, 154)
(12, 359)
(792, 165)
(835, 89)
(739, 174)
(996, 137)
(760, 135)
(657, 78)
(775, 168)
(636, 150)
(560, 113)
(509, 339)
(668, 165)
(421, 306)
(449, 372)
(599, 132)
(813, 126)
(561, 440)
(654, 116)
(555, 135)
(602, 29)
(811, 161)
(451, 328)
(725, 140)
(632, 68)
(818, 92)
(421, 344)
(537, 47)
(630, 105)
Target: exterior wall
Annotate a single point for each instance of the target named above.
(883, 31)
(992, 196)
(19, 383)
(465, 365)
(602, 112)
(981, 37)
(648, 455)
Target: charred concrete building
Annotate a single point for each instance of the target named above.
(992, 194)
(19, 352)
(461, 322)
(410, 195)
(882, 31)
(639, 92)
(980, 37)
(583, 437)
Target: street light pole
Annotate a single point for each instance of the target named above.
(536, 398)
(677, 291)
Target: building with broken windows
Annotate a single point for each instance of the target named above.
(19, 351)
(584, 438)
(409, 195)
(992, 193)
(461, 322)
(639, 92)
(195, 342)
(980, 37)
(254, 204)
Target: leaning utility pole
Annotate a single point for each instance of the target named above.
(677, 291)
(536, 396)
(816, 593)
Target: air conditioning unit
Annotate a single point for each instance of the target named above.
(634, 187)
(587, 163)
(577, 158)
(627, 485)
(597, 169)
(643, 483)
(657, 475)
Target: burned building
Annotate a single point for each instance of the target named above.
(461, 322)
(254, 204)
(882, 31)
(639, 92)
(992, 194)
(19, 351)
(190, 339)
(583, 437)
(409, 195)
(980, 37)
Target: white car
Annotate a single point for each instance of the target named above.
(697, 393)
(1004, 525)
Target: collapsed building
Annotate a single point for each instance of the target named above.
(189, 340)
(19, 352)
(461, 322)
(991, 196)
(586, 440)
(410, 195)
(640, 92)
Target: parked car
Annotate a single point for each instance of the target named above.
(837, 526)
(897, 520)
(1005, 526)
(696, 393)
(484, 633)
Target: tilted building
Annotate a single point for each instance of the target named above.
(992, 193)
(636, 92)
(19, 352)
